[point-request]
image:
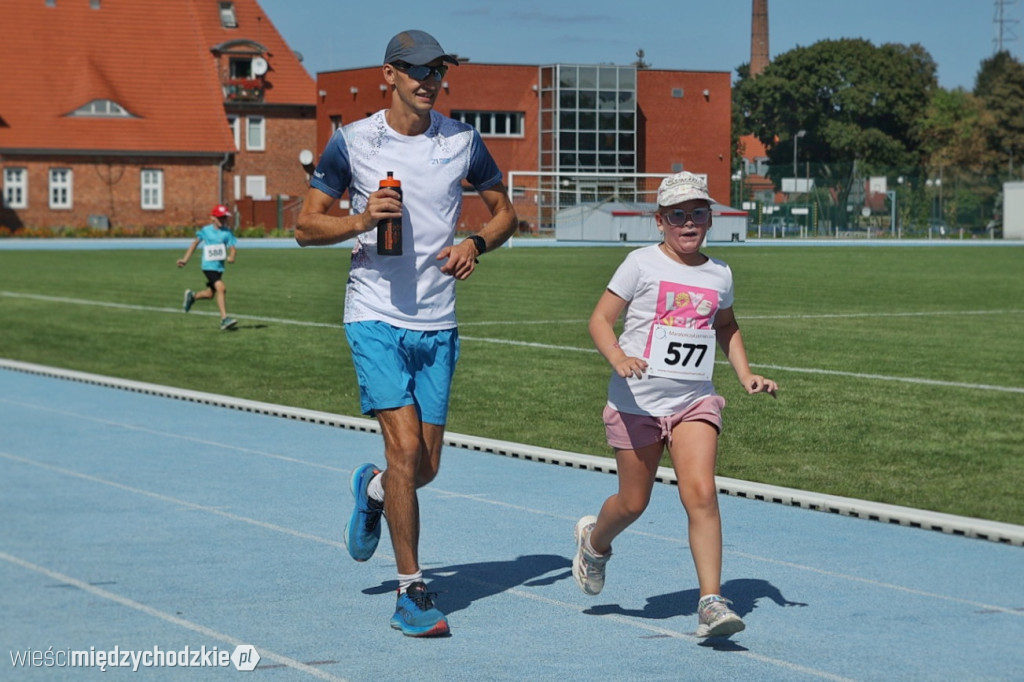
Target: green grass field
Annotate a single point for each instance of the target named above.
(901, 368)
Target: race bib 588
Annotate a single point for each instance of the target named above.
(212, 252)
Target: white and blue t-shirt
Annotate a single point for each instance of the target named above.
(407, 291)
(214, 243)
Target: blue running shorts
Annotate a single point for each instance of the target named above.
(397, 367)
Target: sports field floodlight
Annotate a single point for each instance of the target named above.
(796, 140)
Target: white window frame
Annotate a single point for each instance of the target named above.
(62, 185)
(254, 123)
(256, 186)
(151, 189)
(228, 19)
(15, 187)
(489, 121)
(102, 108)
(236, 131)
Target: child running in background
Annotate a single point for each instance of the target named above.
(678, 306)
(218, 246)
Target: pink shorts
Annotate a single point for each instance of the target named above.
(633, 431)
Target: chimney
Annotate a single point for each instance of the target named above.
(759, 38)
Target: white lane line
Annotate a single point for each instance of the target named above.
(883, 377)
(212, 634)
(484, 323)
(923, 313)
(174, 500)
(154, 309)
(935, 521)
(576, 349)
(164, 616)
(178, 436)
(479, 498)
(808, 316)
(666, 632)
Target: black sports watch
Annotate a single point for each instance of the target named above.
(478, 241)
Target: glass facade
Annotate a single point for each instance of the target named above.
(588, 118)
(588, 137)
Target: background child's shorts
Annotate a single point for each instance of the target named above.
(626, 431)
(212, 277)
(397, 367)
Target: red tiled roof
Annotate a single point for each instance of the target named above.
(752, 148)
(287, 81)
(152, 57)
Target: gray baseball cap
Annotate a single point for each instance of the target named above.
(415, 47)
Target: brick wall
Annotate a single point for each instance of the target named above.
(287, 133)
(691, 130)
(471, 87)
(111, 186)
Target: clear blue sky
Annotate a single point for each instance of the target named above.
(713, 35)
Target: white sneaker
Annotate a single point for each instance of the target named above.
(587, 568)
(716, 619)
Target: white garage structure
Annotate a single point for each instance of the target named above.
(626, 222)
(1013, 210)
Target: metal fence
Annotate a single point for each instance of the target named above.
(829, 201)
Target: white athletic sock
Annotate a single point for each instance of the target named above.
(589, 547)
(375, 490)
(405, 580)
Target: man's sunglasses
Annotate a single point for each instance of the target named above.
(421, 72)
(677, 217)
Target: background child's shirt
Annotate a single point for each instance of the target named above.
(214, 243)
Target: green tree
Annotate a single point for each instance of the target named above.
(859, 104)
(1000, 87)
(955, 132)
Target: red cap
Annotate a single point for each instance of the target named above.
(219, 211)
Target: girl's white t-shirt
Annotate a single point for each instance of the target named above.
(662, 291)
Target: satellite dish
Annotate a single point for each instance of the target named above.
(259, 66)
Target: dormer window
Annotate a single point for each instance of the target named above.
(102, 108)
(241, 67)
(227, 15)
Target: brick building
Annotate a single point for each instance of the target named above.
(146, 113)
(568, 118)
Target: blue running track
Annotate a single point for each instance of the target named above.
(142, 520)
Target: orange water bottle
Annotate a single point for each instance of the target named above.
(389, 230)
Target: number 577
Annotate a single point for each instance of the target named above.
(675, 357)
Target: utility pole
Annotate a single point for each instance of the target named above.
(1004, 26)
(796, 141)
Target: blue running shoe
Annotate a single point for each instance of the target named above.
(415, 614)
(363, 530)
(189, 299)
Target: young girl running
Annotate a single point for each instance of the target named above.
(678, 306)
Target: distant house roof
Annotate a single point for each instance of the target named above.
(752, 148)
(123, 76)
(287, 81)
